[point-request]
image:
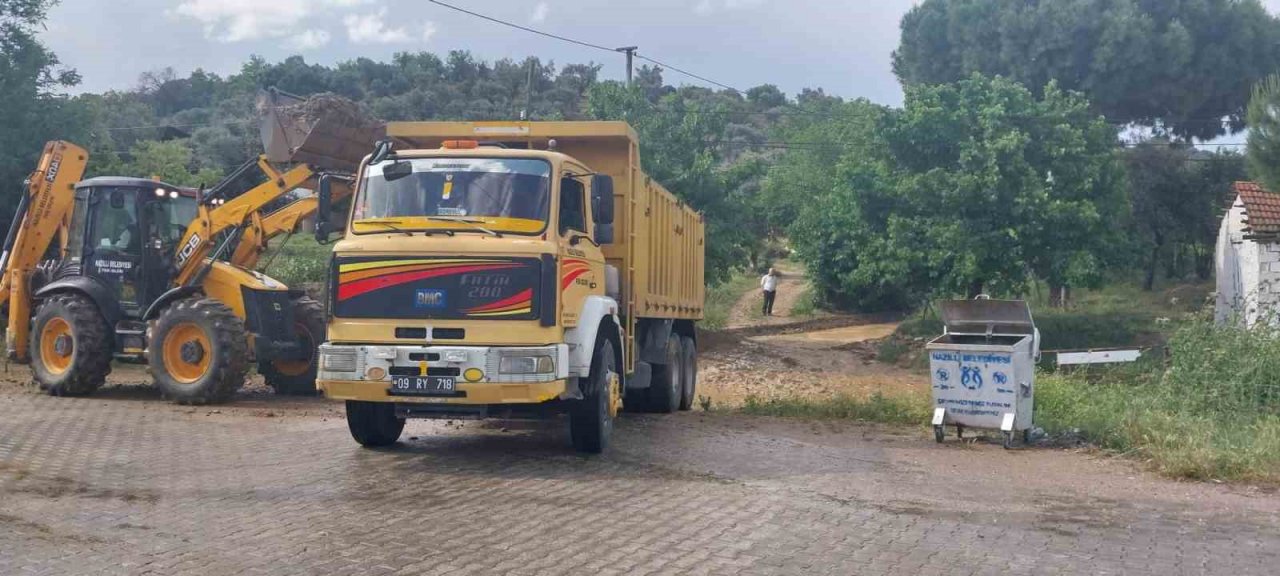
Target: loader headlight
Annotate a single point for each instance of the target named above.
(531, 364)
(338, 360)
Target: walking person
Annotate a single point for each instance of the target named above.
(769, 283)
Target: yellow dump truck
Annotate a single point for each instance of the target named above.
(507, 270)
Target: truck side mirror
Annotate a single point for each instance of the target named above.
(602, 198)
(324, 204)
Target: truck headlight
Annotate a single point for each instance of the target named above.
(527, 365)
(338, 360)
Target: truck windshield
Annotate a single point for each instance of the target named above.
(456, 194)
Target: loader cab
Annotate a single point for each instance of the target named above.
(124, 232)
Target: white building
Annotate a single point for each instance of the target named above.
(1248, 257)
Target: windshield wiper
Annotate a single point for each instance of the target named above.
(477, 224)
(386, 223)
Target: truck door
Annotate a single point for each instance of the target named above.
(581, 261)
(114, 246)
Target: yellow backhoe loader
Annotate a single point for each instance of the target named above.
(151, 272)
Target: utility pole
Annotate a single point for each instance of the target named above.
(528, 94)
(630, 51)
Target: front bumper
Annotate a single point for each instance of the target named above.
(365, 373)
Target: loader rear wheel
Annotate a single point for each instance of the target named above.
(668, 379)
(198, 352)
(71, 355)
(298, 377)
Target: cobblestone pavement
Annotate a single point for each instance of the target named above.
(123, 483)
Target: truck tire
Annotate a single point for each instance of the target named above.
(198, 352)
(689, 362)
(591, 418)
(71, 346)
(298, 377)
(668, 378)
(373, 424)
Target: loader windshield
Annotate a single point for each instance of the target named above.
(508, 195)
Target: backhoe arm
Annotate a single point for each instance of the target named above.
(43, 208)
(215, 218)
(262, 229)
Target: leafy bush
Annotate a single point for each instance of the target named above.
(1211, 414)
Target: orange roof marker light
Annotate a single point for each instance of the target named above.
(460, 144)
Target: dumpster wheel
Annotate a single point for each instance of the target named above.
(939, 433)
(1008, 439)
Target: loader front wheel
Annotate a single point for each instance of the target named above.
(198, 352)
(71, 355)
(298, 377)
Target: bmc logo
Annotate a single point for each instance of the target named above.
(188, 250)
(428, 298)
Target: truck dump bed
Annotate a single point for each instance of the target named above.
(658, 241)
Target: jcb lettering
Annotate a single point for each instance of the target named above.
(188, 249)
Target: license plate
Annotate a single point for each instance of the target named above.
(423, 385)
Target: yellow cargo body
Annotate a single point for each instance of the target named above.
(659, 246)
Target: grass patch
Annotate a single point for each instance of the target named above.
(723, 297)
(806, 304)
(876, 408)
(1211, 413)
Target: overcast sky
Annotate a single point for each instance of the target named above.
(842, 46)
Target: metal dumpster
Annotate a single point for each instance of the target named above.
(983, 367)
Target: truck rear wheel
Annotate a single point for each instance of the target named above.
(667, 384)
(71, 348)
(198, 352)
(591, 418)
(373, 424)
(689, 362)
(298, 377)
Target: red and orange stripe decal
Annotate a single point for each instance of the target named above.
(521, 303)
(573, 268)
(363, 277)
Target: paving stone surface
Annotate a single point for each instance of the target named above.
(128, 485)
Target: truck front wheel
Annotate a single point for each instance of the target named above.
(373, 424)
(591, 418)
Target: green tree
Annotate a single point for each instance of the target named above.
(979, 186)
(32, 109)
(1264, 132)
(1179, 65)
(169, 161)
(1177, 194)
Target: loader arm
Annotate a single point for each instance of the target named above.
(262, 229)
(42, 210)
(242, 211)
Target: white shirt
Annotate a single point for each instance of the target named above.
(769, 282)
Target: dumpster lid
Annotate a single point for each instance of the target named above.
(987, 317)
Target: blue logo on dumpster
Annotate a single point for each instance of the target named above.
(971, 377)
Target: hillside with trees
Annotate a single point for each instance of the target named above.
(997, 174)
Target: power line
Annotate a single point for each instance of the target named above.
(582, 43)
(519, 27)
(685, 72)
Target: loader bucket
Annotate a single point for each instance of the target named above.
(325, 130)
